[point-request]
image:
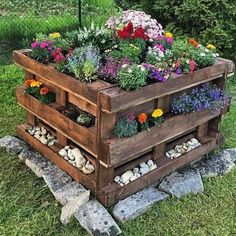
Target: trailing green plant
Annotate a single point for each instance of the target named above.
(126, 127)
(132, 77)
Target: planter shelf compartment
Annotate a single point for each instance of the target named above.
(107, 103)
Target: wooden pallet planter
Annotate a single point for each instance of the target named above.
(107, 103)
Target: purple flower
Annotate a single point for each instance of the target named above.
(160, 47)
(34, 45)
(131, 117)
(178, 71)
(44, 45)
(169, 40)
(155, 73)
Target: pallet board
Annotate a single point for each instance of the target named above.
(107, 103)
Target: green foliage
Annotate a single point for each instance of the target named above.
(208, 21)
(132, 77)
(129, 49)
(84, 119)
(125, 128)
(44, 98)
(84, 63)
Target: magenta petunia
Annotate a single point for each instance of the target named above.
(34, 45)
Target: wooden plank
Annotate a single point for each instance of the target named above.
(114, 192)
(61, 80)
(84, 137)
(61, 97)
(61, 139)
(115, 99)
(76, 174)
(82, 104)
(31, 119)
(117, 150)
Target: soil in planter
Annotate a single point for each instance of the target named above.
(73, 112)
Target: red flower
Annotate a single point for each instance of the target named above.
(28, 82)
(126, 32)
(140, 33)
(44, 91)
(57, 55)
(142, 118)
(193, 42)
(129, 28)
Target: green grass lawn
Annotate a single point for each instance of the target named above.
(28, 208)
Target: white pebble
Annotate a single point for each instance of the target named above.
(63, 152)
(117, 179)
(150, 163)
(67, 148)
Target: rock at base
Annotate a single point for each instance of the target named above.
(36, 162)
(69, 192)
(96, 220)
(216, 165)
(180, 184)
(56, 179)
(73, 205)
(137, 204)
(232, 152)
(12, 144)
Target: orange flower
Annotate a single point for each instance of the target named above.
(142, 118)
(28, 82)
(44, 91)
(193, 42)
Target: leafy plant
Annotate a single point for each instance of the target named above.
(84, 63)
(132, 77)
(125, 127)
(84, 119)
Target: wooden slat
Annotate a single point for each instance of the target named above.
(85, 137)
(114, 192)
(77, 175)
(117, 150)
(82, 104)
(61, 80)
(115, 99)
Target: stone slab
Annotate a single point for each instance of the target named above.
(232, 152)
(73, 205)
(94, 217)
(180, 184)
(69, 192)
(137, 204)
(12, 144)
(56, 179)
(219, 164)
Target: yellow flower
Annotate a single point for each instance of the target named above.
(169, 35)
(211, 46)
(54, 35)
(157, 113)
(35, 84)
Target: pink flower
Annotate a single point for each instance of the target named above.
(44, 45)
(160, 47)
(34, 45)
(169, 40)
(192, 66)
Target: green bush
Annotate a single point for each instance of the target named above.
(208, 21)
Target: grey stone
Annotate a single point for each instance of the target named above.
(39, 164)
(232, 152)
(56, 179)
(96, 220)
(219, 164)
(180, 184)
(69, 192)
(137, 204)
(12, 144)
(72, 206)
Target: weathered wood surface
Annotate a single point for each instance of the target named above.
(115, 99)
(85, 137)
(117, 150)
(61, 80)
(51, 153)
(114, 192)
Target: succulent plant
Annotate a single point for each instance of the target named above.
(84, 119)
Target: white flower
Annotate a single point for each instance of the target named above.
(206, 50)
(125, 65)
(129, 71)
(203, 54)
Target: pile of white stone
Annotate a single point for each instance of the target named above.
(41, 134)
(179, 150)
(75, 158)
(136, 173)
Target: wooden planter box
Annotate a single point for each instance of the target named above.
(107, 103)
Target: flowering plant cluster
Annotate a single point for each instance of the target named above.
(205, 96)
(140, 20)
(133, 39)
(131, 124)
(37, 90)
